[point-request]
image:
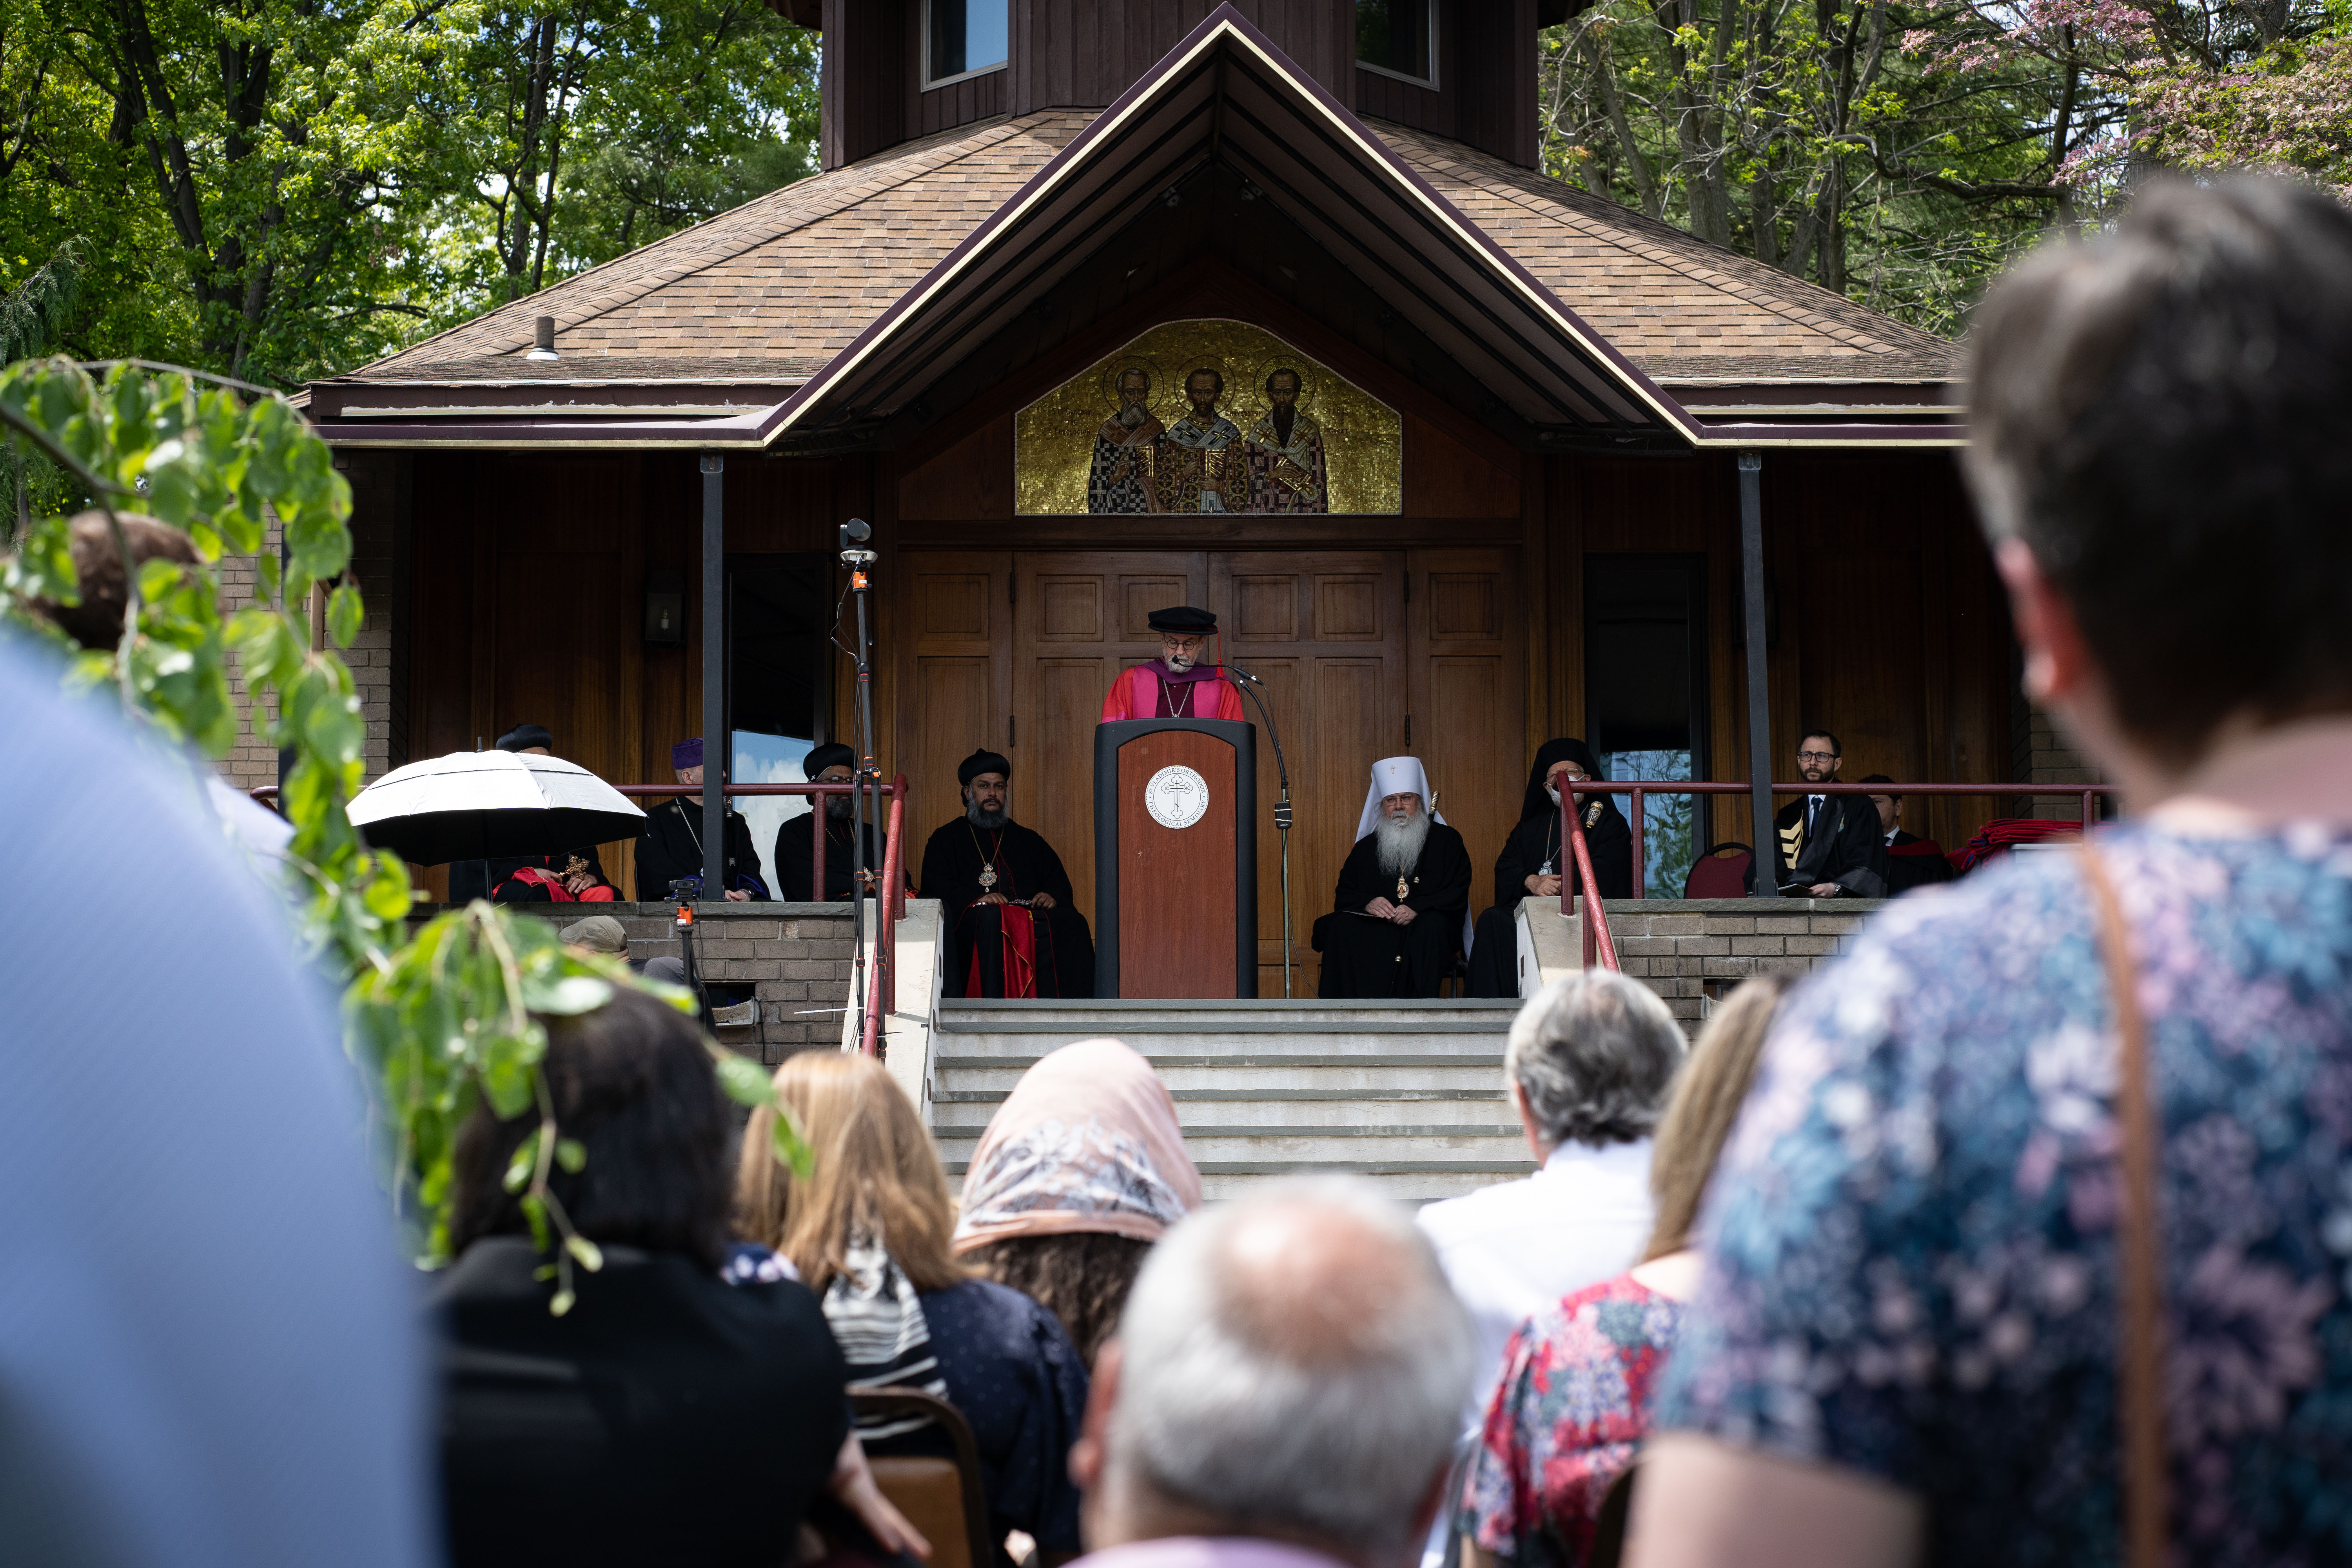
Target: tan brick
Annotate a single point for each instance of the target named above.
(1796, 925)
(1702, 945)
(1812, 946)
(1758, 946)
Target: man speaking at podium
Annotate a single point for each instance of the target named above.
(1012, 929)
(1396, 922)
(1176, 685)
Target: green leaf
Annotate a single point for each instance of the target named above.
(585, 1251)
(571, 1155)
(792, 1146)
(567, 995)
(562, 1302)
(746, 1081)
(521, 1164)
(344, 612)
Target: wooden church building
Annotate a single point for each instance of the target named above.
(1521, 517)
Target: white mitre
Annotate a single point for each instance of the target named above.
(1393, 775)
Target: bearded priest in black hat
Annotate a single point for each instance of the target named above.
(1012, 929)
(1178, 684)
(795, 848)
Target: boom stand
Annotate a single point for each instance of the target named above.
(1281, 815)
(854, 535)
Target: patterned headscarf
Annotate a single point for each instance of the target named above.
(1088, 1140)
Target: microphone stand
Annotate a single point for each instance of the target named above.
(868, 787)
(1281, 813)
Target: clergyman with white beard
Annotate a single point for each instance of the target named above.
(1396, 920)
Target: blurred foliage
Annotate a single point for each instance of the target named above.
(279, 189)
(440, 1021)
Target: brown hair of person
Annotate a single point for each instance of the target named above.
(1081, 1276)
(877, 1174)
(1704, 1105)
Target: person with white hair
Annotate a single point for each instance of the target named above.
(1399, 914)
(1591, 1060)
(1283, 1392)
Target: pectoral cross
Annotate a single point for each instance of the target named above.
(987, 877)
(1403, 891)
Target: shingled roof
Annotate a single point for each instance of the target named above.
(788, 280)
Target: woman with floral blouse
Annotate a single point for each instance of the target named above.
(1908, 1340)
(1574, 1399)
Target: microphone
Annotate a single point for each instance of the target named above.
(1238, 672)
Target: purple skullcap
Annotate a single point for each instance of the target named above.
(686, 755)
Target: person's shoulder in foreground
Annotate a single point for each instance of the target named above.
(206, 1337)
(1911, 1270)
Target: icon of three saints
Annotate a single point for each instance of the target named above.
(1204, 462)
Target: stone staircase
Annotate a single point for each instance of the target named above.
(1407, 1093)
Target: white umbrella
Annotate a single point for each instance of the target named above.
(481, 805)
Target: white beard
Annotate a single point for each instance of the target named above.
(1401, 843)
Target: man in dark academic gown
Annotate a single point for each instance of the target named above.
(671, 845)
(1011, 927)
(1828, 846)
(496, 879)
(1911, 861)
(795, 855)
(1533, 864)
(1176, 685)
(1404, 892)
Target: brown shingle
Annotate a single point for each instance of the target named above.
(791, 278)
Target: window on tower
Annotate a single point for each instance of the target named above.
(962, 37)
(1397, 38)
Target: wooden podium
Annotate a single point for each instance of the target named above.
(1176, 858)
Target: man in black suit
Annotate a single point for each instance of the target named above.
(1911, 861)
(1828, 846)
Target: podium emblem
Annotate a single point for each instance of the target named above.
(1177, 796)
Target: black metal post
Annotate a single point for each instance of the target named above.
(1759, 697)
(864, 880)
(714, 675)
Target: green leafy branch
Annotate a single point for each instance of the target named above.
(439, 1021)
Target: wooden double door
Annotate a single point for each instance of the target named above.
(1364, 655)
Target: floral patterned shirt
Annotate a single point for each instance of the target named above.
(1911, 1246)
(1572, 1406)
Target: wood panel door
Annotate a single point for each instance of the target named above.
(1080, 619)
(953, 676)
(1468, 696)
(1325, 631)
(564, 571)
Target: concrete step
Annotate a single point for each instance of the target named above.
(1408, 1095)
(1285, 1106)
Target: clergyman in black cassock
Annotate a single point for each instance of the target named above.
(1534, 864)
(987, 871)
(670, 846)
(1367, 954)
(795, 850)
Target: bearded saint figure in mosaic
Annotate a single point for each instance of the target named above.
(1200, 464)
(1285, 452)
(1119, 478)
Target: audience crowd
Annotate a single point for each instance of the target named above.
(2020, 1232)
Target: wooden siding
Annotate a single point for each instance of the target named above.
(1486, 91)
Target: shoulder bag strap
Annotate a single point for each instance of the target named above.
(2147, 1489)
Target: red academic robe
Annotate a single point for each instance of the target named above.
(1140, 693)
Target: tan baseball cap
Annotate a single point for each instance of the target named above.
(597, 933)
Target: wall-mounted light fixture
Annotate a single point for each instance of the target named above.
(665, 609)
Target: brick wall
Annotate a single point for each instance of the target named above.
(2049, 760)
(254, 761)
(798, 956)
(1692, 951)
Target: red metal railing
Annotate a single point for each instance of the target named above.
(1597, 947)
(1596, 931)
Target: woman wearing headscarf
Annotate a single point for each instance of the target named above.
(1534, 861)
(1081, 1170)
(869, 1232)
